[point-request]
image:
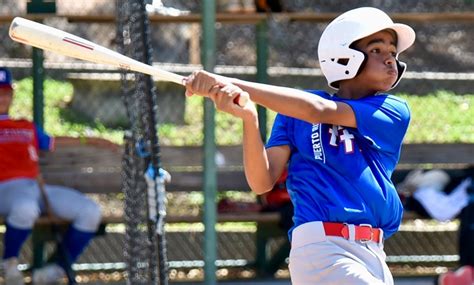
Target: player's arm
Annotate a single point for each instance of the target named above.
(262, 166)
(45, 142)
(299, 104)
(287, 101)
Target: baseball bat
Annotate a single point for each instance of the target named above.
(52, 39)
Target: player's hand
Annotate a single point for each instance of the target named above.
(202, 82)
(224, 98)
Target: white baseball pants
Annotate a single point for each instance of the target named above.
(21, 202)
(319, 259)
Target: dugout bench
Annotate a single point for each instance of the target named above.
(94, 166)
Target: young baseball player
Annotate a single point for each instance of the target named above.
(341, 148)
(21, 202)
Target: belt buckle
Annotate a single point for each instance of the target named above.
(364, 240)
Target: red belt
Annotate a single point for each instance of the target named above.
(362, 233)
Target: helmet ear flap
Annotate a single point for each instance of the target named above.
(402, 67)
(335, 84)
(341, 63)
(362, 65)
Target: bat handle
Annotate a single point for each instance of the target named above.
(242, 99)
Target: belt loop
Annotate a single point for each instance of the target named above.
(352, 233)
(380, 238)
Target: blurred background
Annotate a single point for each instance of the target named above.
(84, 100)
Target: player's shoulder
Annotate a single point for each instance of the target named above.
(394, 104)
(321, 93)
(387, 100)
(24, 121)
(392, 98)
(20, 121)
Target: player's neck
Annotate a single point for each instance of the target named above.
(354, 93)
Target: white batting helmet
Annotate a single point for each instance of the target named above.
(338, 60)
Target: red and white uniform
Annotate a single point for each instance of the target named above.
(21, 202)
(20, 141)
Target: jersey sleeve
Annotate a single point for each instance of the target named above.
(45, 142)
(279, 135)
(382, 119)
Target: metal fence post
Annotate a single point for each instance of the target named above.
(38, 81)
(210, 171)
(35, 7)
(262, 71)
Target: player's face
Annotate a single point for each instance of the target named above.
(380, 71)
(6, 95)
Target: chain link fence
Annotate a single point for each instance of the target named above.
(84, 99)
(440, 65)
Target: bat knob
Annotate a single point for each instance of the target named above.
(242, 99)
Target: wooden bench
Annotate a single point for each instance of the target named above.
(94, 166)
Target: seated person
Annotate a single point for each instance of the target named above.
(435, 194)
(22, 202)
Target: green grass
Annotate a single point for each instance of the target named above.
(438, 117)
(57, 95)
(441, 117)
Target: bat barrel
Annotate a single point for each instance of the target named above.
(51, 39)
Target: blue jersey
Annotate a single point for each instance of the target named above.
(342, 174)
